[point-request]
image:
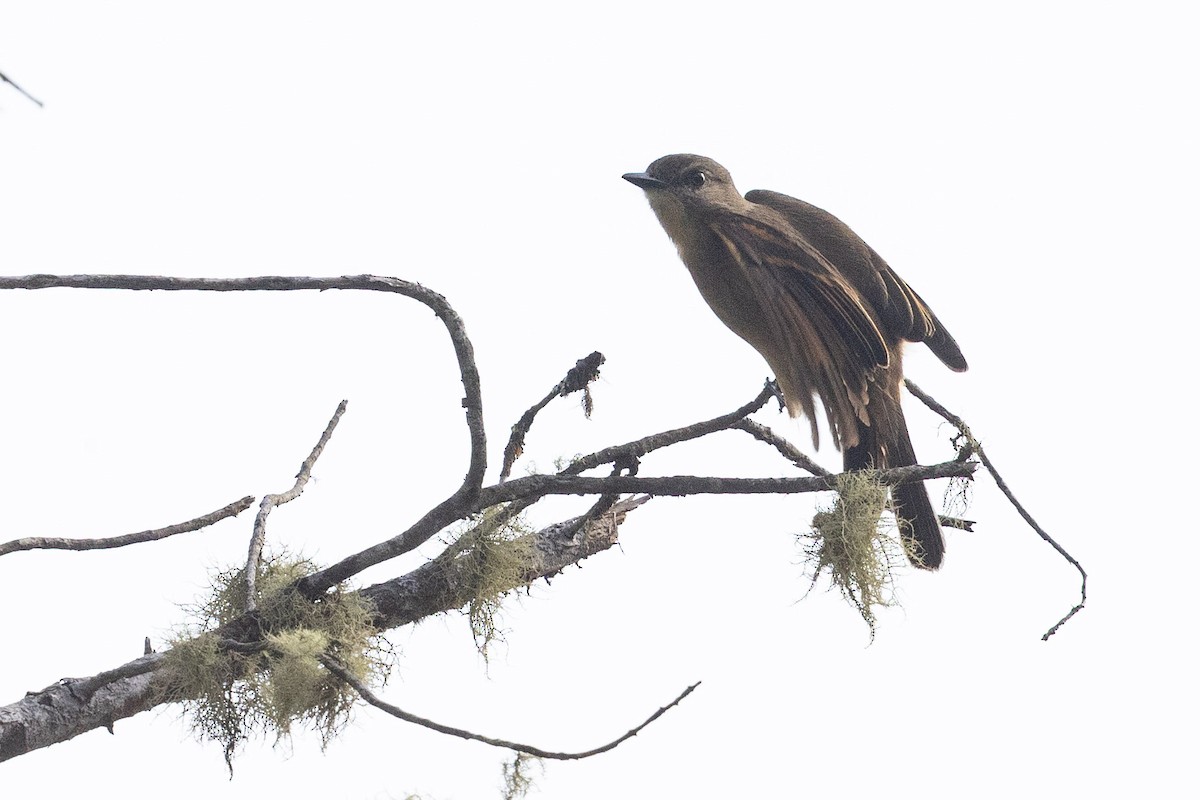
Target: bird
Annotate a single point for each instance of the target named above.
(824, 309)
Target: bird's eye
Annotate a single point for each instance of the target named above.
(695, 180)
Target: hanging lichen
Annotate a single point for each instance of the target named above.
(850, 543)
(486, 561)
(233, 690)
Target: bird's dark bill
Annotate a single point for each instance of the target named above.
(643, 180)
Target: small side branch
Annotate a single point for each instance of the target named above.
(974, 445)
(785, 448)
(400, 713)
(5, 79)
(640, 447)
(585, 371)
(58, 543)
(271, 501)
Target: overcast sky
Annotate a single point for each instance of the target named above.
(1030, 170)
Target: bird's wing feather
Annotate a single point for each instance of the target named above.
(824, 338)
(902, 312)
(810, 280)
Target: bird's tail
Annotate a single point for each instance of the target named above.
(919, 527)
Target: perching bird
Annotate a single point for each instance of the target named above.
(826, 312)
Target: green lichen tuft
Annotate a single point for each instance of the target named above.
(850, 543)
(266, 687)
(490, 559)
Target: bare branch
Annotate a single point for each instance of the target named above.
(5, 79)
(58, 543)
(585, 371)
(973, 444)
(400, 713)
(271, 501)
(680, 485)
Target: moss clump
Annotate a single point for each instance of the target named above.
(851, 543)
(231, 691)
(489, 560)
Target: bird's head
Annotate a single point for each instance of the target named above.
(694, 182)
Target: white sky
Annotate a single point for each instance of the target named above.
(1031, 171)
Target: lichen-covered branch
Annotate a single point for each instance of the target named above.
(74, 706)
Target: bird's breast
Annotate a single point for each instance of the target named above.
(719, 277)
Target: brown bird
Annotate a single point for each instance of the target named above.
(826, 312)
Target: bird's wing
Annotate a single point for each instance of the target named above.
(822, 339)
(902, 312)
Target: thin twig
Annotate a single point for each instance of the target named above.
(5, 79)
(271, 501)
(59, 543)
(400, 713)
(785, 448)
(585, 371)
(640, 447)
(974, 444)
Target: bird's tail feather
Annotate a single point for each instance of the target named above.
(919, 527)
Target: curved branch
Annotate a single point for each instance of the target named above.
(973, 444)
(441, 515)
(59, 543)
(400, 713)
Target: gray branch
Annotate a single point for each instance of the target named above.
(59, 543)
